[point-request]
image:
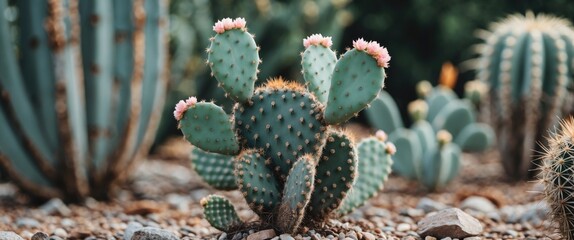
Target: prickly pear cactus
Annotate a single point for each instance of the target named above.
(526, 63)
(556, 173)
(292, 166)
(422, 157)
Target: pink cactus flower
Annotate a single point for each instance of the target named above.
(227, 24)
(219, 27)
(391, 148)
(316, 40)
(240, 23)
(182, 106)
(381, 135)
(360, 44)
(191, 101)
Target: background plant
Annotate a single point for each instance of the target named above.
(76, 106)
(289, 160)
(526, 63)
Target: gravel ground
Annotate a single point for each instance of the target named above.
(166, 195)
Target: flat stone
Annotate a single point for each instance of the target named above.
(40, 236)
(451, 222)
(151, 233)
(6, 235)
(286, 237)
(55, 205)
(131, 229)
(429, 205)
(368, 236)
(265, 234)
(477, 203)
(27, 222)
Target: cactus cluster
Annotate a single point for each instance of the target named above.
(526, 63)
(556, 173)
(76, 106)
(294, 166)
(443, 126)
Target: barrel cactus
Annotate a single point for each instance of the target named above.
(281, 147)
(556, 174)
(526, 63)
(76, 106)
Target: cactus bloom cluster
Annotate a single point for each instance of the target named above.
(373, 48)
(316, 40)
(228, 24)
(182, 106)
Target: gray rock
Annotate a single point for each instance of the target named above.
(27, 222)
(131, 229)
(477, 203)
(223, 236)
(451, 222)
(40, 236)
(6, 235)
(265, 234)
(429, 205)
(55, 205)
(286, 237)
(151, 233)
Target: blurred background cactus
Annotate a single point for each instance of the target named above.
(526, 63)
(278, 26)
(79, 82)
(443, 126)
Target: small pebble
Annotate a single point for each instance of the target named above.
(61, 233)
(27, 222)
(286, 237)
(6, 235)
(40, 236)
(403, 227)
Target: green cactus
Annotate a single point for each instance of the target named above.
(77, 99)
(296, 194)
(374, 169)
(293, 168)
(220, 213)
(215, 169)
(526, 63)
(421, 156)
(556, 174)
(336, 172)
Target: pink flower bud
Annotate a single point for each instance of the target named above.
(240, 23)
(391, 148)
(381, 135)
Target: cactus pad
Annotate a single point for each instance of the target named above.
(219, 212)
(441, 165)
(257, 182)
(374, 169)
(408, 158)
(384, 113)
(234, 58)
(215, 169)
(335, 173)
(318, 64)
(284, 121)
(356, 81)
(475, 137)
(205, 125)
(296, 194)
(454, 116)
(437, 99)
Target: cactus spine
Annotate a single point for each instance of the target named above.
(291, 165)
(556, 174)
(526, 62)
(76, 112)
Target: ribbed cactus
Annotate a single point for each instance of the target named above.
(292, 167)
(556, 173)
(77, 100)
(526, 62)
(444, 125)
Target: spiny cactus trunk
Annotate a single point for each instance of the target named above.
(92, 72)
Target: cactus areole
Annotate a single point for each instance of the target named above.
(282, 144)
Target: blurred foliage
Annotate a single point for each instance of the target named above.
(423, 34)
